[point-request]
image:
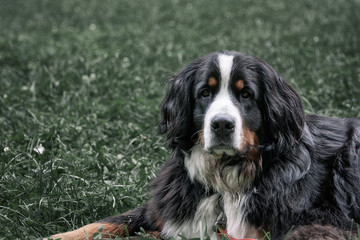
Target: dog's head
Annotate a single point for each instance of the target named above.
(228, 101)
(230, 104)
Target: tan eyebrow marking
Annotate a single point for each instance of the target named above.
(239, 84)
(212, 82)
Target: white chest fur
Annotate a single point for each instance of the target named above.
(209, 209)
(237, 226)
(201, 225)
(202, 167)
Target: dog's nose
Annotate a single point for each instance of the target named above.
(223, 124)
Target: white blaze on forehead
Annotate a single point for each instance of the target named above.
(225, 65)
(223, 104)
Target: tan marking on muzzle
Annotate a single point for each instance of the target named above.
(253, 164)
(251, 143)
(250, 138)
(200, 138)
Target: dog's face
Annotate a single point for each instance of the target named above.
(225, 105)
(226, 114)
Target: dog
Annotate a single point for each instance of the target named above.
(245, 159)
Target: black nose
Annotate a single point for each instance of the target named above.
(223, 124)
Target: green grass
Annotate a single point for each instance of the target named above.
(84, 79)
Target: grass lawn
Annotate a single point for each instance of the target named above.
(83, 80)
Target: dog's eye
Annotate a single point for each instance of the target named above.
(245, 94)
(205, 93)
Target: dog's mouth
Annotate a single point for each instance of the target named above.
(223, 150)
(249, 152)
(235, 169)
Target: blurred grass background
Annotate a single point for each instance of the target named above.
(84, 79)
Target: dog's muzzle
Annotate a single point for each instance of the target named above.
(222, 129)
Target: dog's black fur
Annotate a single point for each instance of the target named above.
(308, 178)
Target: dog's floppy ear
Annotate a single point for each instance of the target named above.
(176, 108)
(284, 112)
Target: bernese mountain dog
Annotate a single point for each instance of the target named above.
(245, 159)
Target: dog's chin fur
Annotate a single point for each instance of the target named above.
(222, 172)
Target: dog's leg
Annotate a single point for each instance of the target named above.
(126, 224)
(87, 232)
